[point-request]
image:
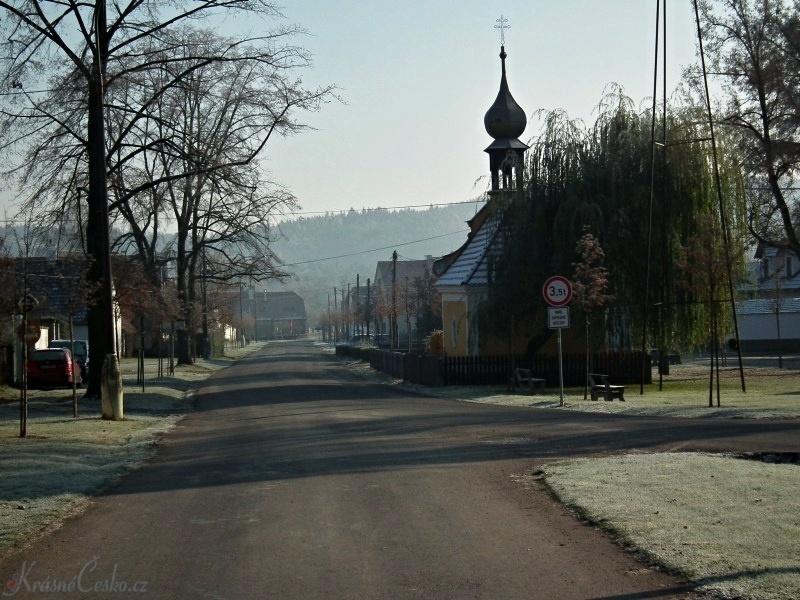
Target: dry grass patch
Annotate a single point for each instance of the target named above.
(731, 525)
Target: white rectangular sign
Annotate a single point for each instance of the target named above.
(558, 317)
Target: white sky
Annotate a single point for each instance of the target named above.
(418, 76)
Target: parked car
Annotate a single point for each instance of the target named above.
(53, 367)
(81, 351)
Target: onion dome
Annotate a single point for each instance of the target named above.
(505, 119)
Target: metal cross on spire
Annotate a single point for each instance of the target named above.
(502, 25)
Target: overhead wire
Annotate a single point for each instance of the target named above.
(315, 260)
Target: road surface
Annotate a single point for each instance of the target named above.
(294, 479)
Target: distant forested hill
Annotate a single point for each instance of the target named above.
(326, 251)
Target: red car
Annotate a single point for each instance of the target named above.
(53, 367)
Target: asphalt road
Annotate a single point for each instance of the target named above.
(294, 479)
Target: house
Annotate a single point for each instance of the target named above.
(464, 275)
(463, 283)
(769, 316)
(57, 287)
(277, 315)
(393, 302)
(360, 306)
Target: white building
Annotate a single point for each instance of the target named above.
(769, 318)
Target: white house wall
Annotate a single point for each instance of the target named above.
(758, 325)
(765, 326)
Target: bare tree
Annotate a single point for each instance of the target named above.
(754, 52)
(205, 133)
(702, 261)
(85, 52)
(427, 304)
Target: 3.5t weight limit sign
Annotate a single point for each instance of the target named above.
(557, 291)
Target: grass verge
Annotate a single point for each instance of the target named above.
(730, 525)
(51, 473)
(770, 394)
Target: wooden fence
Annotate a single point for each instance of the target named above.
(621, 367)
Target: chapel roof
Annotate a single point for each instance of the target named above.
(505, 119)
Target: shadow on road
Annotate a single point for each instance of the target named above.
(296, 414)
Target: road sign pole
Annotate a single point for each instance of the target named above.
(557, 292)
(560, 370)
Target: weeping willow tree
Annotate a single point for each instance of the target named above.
(528, 250)
(602, 180)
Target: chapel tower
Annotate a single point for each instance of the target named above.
(505, 121)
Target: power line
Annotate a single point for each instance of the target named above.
(305, 262)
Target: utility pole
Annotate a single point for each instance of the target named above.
(336, 324)
(344, 317)
(251, 302)
(205, 350)
(241, 315)
(357, 321)
(407, 303)
(366, 310)
(393, 316)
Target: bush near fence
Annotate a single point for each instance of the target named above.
(359, 352)
(621, 367)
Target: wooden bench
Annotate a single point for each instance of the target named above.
(600, 386)
(524, 377)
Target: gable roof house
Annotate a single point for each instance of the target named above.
(769, 316)
(464, 275)
(278, 315)
(58, 286)
(387, 307)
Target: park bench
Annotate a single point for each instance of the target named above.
(599, 386)
(524, 377)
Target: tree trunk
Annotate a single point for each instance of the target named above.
(95, 240)
(101, 305)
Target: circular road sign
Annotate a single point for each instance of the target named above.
(30, 335)
(557, 291)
